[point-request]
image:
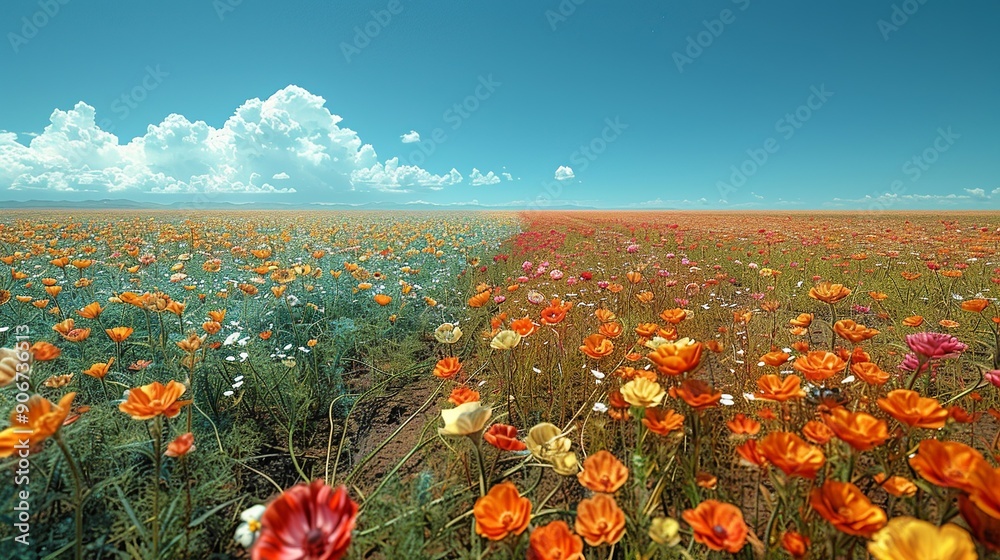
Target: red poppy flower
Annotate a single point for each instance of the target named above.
(307, 521)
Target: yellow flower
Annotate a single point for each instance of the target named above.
(448, 333)
(465, 419)
(565, 464)
(665, 530)
(505, 340)
(643, 392)
(547, 443)
(907, 538)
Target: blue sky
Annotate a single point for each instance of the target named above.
(862, 104)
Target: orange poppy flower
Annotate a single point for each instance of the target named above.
(800, 346)
(480, 299)
(984, 526)
(909, 408)
(975, 305)
(70, 332)
(817, 432)
(181, 446)
(853, 332)
(698, 394)
(819, 365)
(604, 315)
(860, 430)
(749, 451)
(634, 276)
(611, 330)
(90, 311)
(462, 395)
(523, 327)
(100, 370)
(741, 425)
(896, 485)
(718, 525)
(599, 520)
(984, 482)
(847, 508)
(676, 358)
(646, 330)
(774, 388)
(802, 321)
(661, 421)
(554, 542)
(859, 355)
(828, 292)
(603, 472)
(149, 401)
(792, 454)
(597, 346)
(673, 316)
(878, 296)
(714, 346)
(795, 544)
(775, 358)
(501, 512)
(870, 373)
(913, 321)
(119, 334)
(43, 351)
(40, 422)
(447, 368)
(503, 437)
(382, 299)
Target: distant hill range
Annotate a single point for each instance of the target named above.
(125, 204)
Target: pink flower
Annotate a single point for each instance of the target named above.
(522, 279)
(932, 345)
(571, 280)
(527, 265)
(993, 377)
(556, 274)
(499, 299)
(633, 248)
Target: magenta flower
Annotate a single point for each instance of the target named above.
(993, 377)
(910, 362)
(933, 346)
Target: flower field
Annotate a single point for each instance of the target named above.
(549, 385)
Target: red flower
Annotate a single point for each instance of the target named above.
(504, 437)
(310, 521)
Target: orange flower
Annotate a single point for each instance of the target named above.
(819, 365)
(610, 330)
(447, 368)
(795, 544)
(661, 421)
(676, 358)
(597, 346)
(773, 388)
(555, 312)
(896, 485)
(604, 315)
(718, 525)
(792, 454)
(68, 331)
(149, 401)
(599, 520)
(40, 422)
(817, 432)
(847, 508)
(984, 527)
(802, 321)
(740, 425)
(382, 299)
(90, 311)
(42, 351)
(828, 292)
(985, 488)
(673, 316)
(750, 453)
(870, 373)
(503, 437)
(913, 321)
(975, 305)
(100, 370)
(554, 542)
(646, 330)
(860, 430)
(947, 463)
(853, 332)
(501, 512)
(909, 408)
(774, 358)
(523, 327)
(480, 299)
(119, 334)
(462, 395)
(698, 394)
(181, 446)
(603, 472)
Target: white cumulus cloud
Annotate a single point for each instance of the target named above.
(564, 173)
(477, 179)
(410, 137)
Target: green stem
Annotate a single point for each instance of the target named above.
(77, 495)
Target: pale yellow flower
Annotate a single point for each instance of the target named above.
(505, 340)
(907, 538)
(465, 419)
(665, 530)
(565, 464)
(448, 333)
(546, 440)
(643, 392)
(8, 366)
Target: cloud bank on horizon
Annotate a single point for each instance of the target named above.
(289, 144)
